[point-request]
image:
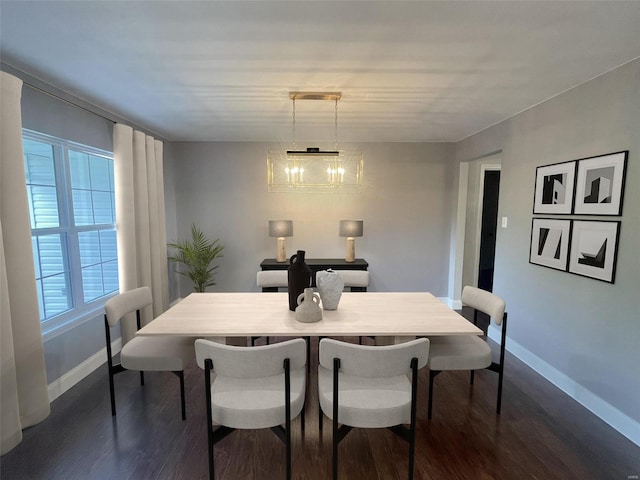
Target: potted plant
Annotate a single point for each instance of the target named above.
(197, 255)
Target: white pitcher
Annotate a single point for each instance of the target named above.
(308, 309)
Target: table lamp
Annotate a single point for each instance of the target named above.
(281, 229)
(350, 229)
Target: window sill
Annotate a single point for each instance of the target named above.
(56, 327)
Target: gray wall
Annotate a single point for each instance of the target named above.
(580, 328)
(404, 204)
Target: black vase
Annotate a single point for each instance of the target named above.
(298, 277)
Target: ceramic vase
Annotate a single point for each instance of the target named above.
(308, 309)
(298, 278)
(330, 286)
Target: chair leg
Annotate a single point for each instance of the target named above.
(499, 404)
(110, 366)
(334, 464)
(112, 392)
(471, 377)
(142, 378)
(208, 365)
(432, 375)
(184, 408)
(412, 428)
(320, 419)
(334, 444)
(287, 414)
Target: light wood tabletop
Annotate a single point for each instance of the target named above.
(267, 314)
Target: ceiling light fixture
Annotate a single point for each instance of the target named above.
(314, 170)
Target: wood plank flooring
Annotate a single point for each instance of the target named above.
(541, 434)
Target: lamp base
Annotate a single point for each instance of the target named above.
(282, 250)
(350, 255)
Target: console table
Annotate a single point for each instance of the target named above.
(317, 264)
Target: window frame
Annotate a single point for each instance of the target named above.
(80, 310)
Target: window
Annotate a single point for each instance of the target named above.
(71, 203)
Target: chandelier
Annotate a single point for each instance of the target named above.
(314, 170)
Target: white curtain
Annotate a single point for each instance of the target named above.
(24, 400)
(140, 218)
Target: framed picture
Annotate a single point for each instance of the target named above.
(594, 249)
(600, 184)
(554, 188)
(550, 242)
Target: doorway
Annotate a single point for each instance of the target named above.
(488, 230)
(465, 267)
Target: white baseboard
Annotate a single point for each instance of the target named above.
(75, 375)
(455, 304)
(624, 424)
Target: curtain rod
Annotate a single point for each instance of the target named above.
(58, 97)
(113, 119)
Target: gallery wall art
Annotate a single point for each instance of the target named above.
(550, 242)
(594, 249)
(600, 184)
(591, 186)
(554, 188)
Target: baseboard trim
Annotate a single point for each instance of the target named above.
(624, 424)
(455, 304)
(76, 374)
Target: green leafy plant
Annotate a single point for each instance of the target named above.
(197, 255)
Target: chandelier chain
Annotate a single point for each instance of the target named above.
(335, 144)
(294, 123)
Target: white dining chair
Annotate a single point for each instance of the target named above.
(366, 386)
(252, 388)
(157, 353)
(470, 352)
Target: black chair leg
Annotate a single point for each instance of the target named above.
(471, 377)
(432, 375)
(112, 392)
(499, 405)
(182, 399)
(320, 419)
(142, 378)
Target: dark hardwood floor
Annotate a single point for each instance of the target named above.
(541, 434)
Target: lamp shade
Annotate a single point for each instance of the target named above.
(351, 228)
(280, 228)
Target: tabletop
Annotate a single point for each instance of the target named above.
(268, 314)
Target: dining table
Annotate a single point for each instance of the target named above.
(243, 314)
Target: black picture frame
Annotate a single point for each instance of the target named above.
(600, 184)
(554, 188)
(550, 239)
(594, 249)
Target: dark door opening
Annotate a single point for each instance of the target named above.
(488, 229)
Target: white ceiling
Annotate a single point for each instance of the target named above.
(408, 71)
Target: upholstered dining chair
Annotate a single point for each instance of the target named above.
(168, 353)
(366, 386)
(254, 387)
(270, 281)
(470, 352)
